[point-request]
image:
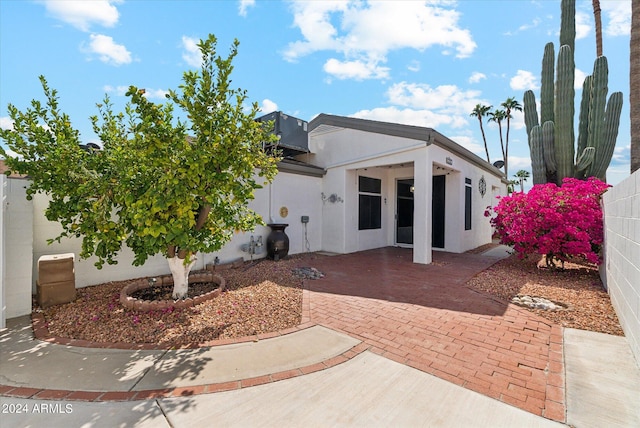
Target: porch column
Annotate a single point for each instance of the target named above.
(423, 170)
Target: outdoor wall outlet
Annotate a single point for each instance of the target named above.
(304, 219)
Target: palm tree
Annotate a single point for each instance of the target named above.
(598, 24)
(498, 116)
(522, 176)
(634, 86)
(481, 111)
(511, 104)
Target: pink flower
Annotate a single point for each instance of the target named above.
(555, 221)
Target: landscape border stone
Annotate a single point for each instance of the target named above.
(131, 303)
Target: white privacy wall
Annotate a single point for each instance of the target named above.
(3, 205)
(288, 198)
(622, 255)
(18, 248)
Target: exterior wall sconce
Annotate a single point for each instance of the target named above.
(333, 198)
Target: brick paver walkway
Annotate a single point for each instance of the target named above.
(425, 317)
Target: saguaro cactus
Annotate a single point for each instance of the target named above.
(551, 139)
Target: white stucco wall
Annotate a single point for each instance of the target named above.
(622, 255)
(18, 246)
(3, 207)
(349, 153)
(299, 194)
(461, 240)
(342, 146)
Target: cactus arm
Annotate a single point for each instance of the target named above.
(537, 156)
(548, 144)
(530, 111)
(564, 112)
(584, 160)
(583, 124)
(597, 107)
(546, 84)
(568, 24)
(604, 152)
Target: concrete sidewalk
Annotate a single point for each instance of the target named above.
(367, 391)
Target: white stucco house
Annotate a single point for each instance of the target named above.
(400, 185)
(344, 185)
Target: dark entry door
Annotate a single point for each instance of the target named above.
(404, 213)
(437, 211)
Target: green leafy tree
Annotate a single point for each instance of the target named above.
(158, 185)
(481, 111)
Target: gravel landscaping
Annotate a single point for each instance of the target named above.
(578, 288)
(266, 296)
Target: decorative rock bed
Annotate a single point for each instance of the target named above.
(535, 302)
(307, 273)
(130, 302)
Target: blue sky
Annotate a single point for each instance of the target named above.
(425, 63)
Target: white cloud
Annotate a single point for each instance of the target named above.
(244, 6)
(619, 14)
(468, 143)
(192, 54)
(421, 105)
(158, 94)
(118, 90)
(364, 32)
(519, 162)
(448, 99)
(82, 14)
(579, 78)
(414, 66)
(268, 106)
(523, 80)
(476, 76)
(148, 92)
(407, 116)
(358, 70)
(583, 24)
(107, 50)
(6, 122)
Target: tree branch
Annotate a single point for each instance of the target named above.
(202, 216)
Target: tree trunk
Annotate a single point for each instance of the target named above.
(634, 86)
(598, 25)
(484, 138)
(180, 273)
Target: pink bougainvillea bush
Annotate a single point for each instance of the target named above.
(559, 222)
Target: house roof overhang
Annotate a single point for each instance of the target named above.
(428, 135)
(296, 167)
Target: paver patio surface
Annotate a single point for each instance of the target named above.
(425, 317)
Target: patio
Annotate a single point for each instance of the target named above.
(424, 316)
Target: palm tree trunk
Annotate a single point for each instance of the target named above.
(634, 85)
(504, 154)
(484, 138)
(598, 23)
(506, 146)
